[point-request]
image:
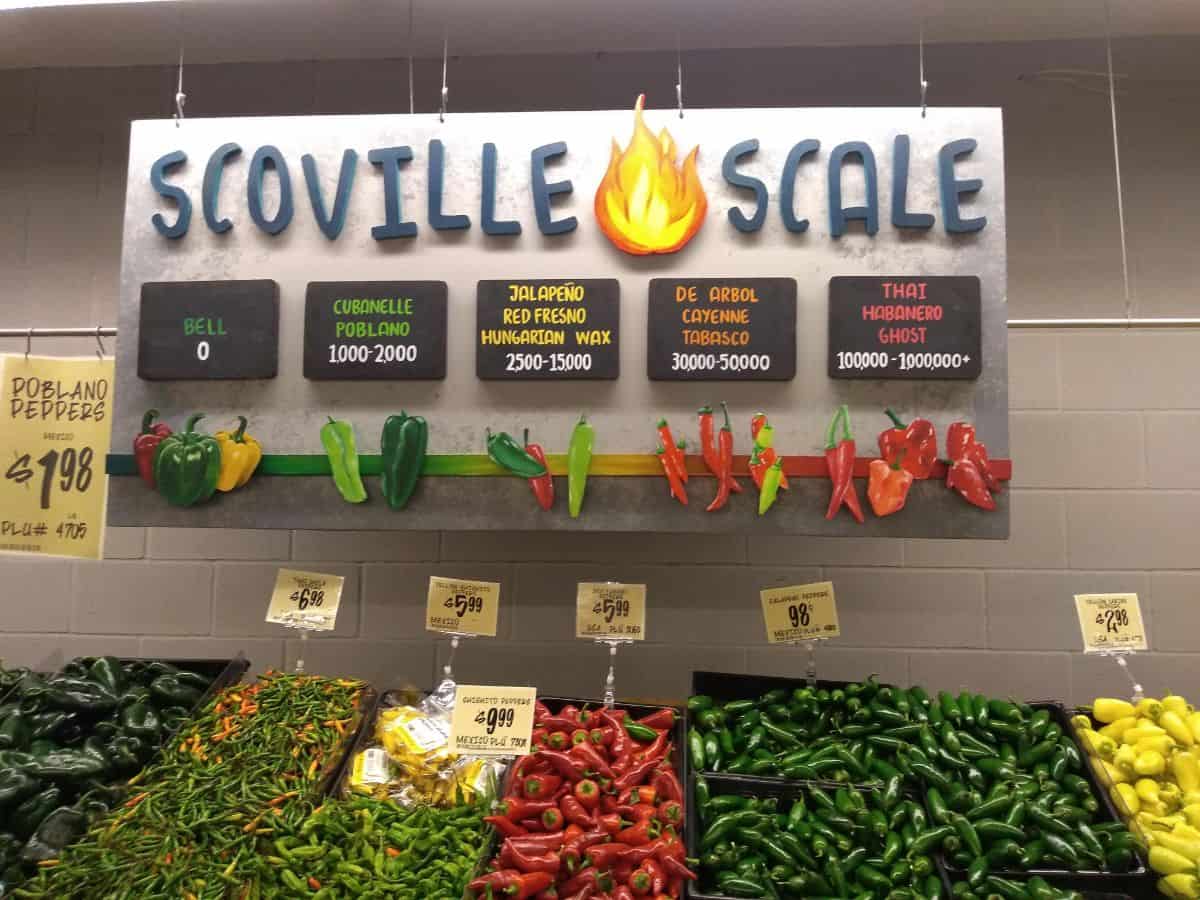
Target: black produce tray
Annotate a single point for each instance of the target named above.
(1138, 881)
(224, 672)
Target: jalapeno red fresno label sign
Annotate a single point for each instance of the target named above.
(905, 327)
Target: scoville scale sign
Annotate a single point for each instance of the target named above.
(628, 276)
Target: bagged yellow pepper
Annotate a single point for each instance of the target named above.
(240, 456)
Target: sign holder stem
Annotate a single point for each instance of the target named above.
(1120, 657)
(304, 630)
(610, 682)
(455, 638)
(810, 671)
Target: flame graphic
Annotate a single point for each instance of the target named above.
(646, 202)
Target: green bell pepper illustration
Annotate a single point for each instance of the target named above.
(187, 465)
(402, 448)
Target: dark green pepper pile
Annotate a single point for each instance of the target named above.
(363, 847)
(1002, 785)
(65, 738)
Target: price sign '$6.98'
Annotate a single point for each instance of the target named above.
(307, 600)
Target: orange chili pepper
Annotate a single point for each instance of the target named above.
(313, 883)
(887, 486)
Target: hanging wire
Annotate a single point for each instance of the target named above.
(1112, 106)
(100, 351)
(412, 103)
(921, 66)
(678, 75)
(445, 90)
(28, 342)
(180, 96)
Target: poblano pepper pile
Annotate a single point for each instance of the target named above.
(65, 738)
(1003, 786)
(193, 822)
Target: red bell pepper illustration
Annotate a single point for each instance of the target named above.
(887, 486)
(912, 446)
(961, 445)
(709, 448)
(145, 445)
(543, 485)
(839, 457)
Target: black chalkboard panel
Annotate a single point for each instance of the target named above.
(722, 329)
(548, 329)
(202, 330)
(905, 327)
(375, 330)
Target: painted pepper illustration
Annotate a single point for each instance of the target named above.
(770, 487)
(145, 444)
(674, 478)
(542, 485)
(402, 451)
(913, 446)
(839, 457)
(887, 486)
(338, 440)
(964, 476)
(511, 456)
(579, 460)
(673, 450)
(724, 471)
(961, 444)
(240, 456)
(187, 465)
(709, 448)
(763, 436)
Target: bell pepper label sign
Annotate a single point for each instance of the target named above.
(55, 428)
(904, 327)
(307, 600)
(1110, 623)
(456, 606)
(551, 330)
(199, 330)
(610, 611)
(803, 612)
(492, 721)
(722, 329)
(375, 330)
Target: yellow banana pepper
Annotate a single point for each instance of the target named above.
(1142, 730)
(1192, 813)
(1168, 862)
(1181, 886)
(1159, 743)
(1150, 762)
(1176, 727)
(1170, 794)
(1193, 724)
(1108, 709)
(1147, 789)
(1124, 757)
(1150, 708)
(1184, 846)
(1186, 769)
(1115, 775)
(1186, 831)
(240, 456)
(1126, 799)
(1176, 704)
(1116, 730)
(1097, 744)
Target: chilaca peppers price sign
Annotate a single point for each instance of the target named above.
(803, 612)
(492, 721)
(54, 427)
(457, 606)
(1110, 623)
(610, 611)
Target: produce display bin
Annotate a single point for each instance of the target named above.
(224, 672)
(1138, 880)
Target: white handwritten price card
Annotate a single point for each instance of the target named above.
(55, 427)
(803, 612)
(610, 611)
(1110, 623)
(457, 606)
(306, 600)
(492, 721)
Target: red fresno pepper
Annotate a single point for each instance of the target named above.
(575, 812)
(516, 885)
(538, 843)
(517, 808)
(601, 737)
(539, 787)
(636, 774)
(641, 794)
(566, 765)
(558, 740)
(512, 856)
(643, 832)
(552, 820)
(506, 827)
(666, 783)
(145, 445)
(622, 892)
(573, 848)
(599, 881)
(610, 823)
(639, 882)
(677, 869)
(670, 812)
(570, 711)
(543, 485)
(550, 893)
(590, 758)
(604, 855)
(913, 447)
(639, 812)
(658, 876)
(660, 719)
(587, 792)
(839, 457)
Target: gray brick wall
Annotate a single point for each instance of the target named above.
(1104, 425)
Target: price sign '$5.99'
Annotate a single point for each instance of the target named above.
(802, 612)
(306, 600)
(1110, 623)
(55, 425)
(610, 611)
(492, 721)
(457, 606)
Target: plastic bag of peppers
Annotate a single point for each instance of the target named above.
(596, 811)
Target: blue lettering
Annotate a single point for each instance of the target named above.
(389, 159)
(953, 190)
(212, 186)
(730, 173)
(158, 173)
(264, 157)
(838, 217)
(487, 213)
(901, 217)
(542, 192)
(787, 185)
(331, 225)
(437, 180)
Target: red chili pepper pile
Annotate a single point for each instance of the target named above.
(598, 821)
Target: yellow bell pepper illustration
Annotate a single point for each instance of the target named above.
(240, 456)
(1176, 727)
(1108, 710)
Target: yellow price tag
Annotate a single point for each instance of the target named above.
(802, 612)
(1110, 622)
(55, 426)
(610, 611)
(492, 721)
(308, 600)
(456, 606)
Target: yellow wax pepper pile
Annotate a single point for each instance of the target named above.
(1150, 752)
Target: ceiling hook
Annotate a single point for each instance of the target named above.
(678, 76)
(100, 351)
(28, 342)
(445, 90)
(180, 96)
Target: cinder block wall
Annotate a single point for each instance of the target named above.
(1105, 425)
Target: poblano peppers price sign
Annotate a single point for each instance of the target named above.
(610, 611)
(458, 606)
(55, 428)
(307, 600)
(1110, 623)
(492, 721)
(803, 612)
